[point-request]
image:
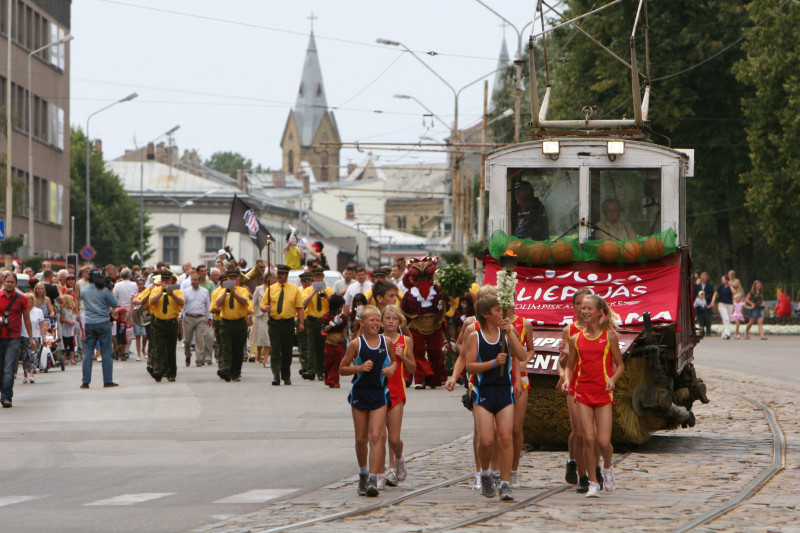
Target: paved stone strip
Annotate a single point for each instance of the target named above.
(668, 481)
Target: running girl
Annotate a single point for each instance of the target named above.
(369, 396)
(595, 360)
(393, 320)
(486, 353)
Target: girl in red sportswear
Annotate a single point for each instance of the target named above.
(596, 362)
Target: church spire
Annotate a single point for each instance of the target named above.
(311, 102)
(501, 76)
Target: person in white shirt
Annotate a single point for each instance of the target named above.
(341, 285)
(196, 320)
(30, 356)
(360, 285)
(124, 289)
(187, 271)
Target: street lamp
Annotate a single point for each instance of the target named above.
(141, 191)
(30, 140)
(454, 135)
(181, 205)
(88, 153)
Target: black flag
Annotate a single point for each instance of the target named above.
(244, 220)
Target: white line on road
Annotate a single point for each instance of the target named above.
(11, 500)
(256, 496)
(131, 499)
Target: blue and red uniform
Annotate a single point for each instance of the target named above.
(493, 389)
(369, 390)
(593, 368)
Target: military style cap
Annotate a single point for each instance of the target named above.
(305, 275)
(318, 270)
(283, 269)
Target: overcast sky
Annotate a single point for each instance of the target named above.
(228, 72)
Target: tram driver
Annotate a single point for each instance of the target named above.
(531, 214)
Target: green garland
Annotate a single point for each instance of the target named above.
(454, 280)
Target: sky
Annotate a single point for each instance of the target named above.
(228, 72)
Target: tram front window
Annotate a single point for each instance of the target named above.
(544, 203)
(625, 203)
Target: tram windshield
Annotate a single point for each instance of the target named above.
(624, 203)
(544, 203)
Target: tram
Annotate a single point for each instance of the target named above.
(611, 217)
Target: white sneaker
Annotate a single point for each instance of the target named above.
(381, 481)
(514, 479)
(400, 462)
(594, 489)
(477, 485)
(391, 477)
(609, 482)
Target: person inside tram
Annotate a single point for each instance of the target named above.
(612, 226)
(531, 214)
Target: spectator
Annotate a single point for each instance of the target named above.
(784, 306)
(724, 297)
(755, 304)
(341, 285)
(124, 289)
(15, 311)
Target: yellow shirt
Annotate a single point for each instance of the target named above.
(311, 308)
(214, 295)
(454, 303)
(474, 288)
(173, 308)
(293, 258)
(291, 300)
(239, 310)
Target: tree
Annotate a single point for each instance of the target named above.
(229, 162)
(698, 109)
(115, 215)
(770, 69)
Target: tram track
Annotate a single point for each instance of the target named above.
(484, 515)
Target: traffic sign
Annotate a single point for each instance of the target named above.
(87, 252)
(2, 230)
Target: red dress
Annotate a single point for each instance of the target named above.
(593, 369)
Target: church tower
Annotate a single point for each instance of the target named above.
(310, 123)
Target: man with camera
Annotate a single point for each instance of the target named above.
(316, 306)
(98, 302)
(233, 304)
(166, 303)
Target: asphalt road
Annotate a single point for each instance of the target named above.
(173, 456)
(167, 457)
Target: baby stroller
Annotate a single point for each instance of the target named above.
(51, 355)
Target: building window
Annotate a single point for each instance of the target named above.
(171, 246)
(323, 172)
(290, 162)
(213, 243)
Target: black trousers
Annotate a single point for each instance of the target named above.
(233, 338)
(163, 346)
(281, 337)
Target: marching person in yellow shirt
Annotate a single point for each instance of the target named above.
(316, 306)
(283, 303)
(166, 302)
(233, 303)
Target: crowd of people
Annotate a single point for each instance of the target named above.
(734, 305)
(389, 328)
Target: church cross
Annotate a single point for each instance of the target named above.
(312, 18)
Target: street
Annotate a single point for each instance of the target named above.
(165, 456)
(178, 456)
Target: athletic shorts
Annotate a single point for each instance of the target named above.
(595, 399)
(493, 399)
(397, 398)
(369, 398)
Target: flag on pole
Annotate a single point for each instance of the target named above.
(244, 220)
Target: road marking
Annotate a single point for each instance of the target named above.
(257, 496)
(131, 499)
(11, 500)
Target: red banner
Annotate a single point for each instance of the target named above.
(544, 295)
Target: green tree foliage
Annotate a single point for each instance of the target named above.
(771, 69)
(229, 162)
(115, 215)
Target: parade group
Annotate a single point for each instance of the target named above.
(390, 329)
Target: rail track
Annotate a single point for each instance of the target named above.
(486, 515)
